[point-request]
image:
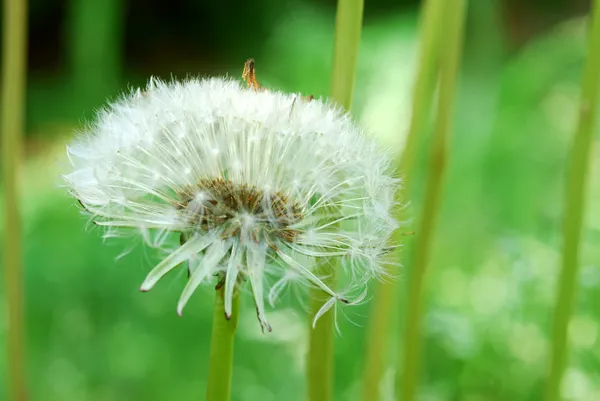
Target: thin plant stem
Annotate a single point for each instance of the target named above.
(218, 386)
(454, 13)
(320, 353)
(575, 193)
(384, 306)
(348, 26)
(422, 101)
(13, 98)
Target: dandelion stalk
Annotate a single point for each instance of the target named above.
(454, 13)
(348, 26)
(218, 387)
(574, 207)
(13, 88)
(320, 353)
(384, 302)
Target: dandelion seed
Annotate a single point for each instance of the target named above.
(255, 190)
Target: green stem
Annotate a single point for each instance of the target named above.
(218, 387)
(348, 26)
(574, 207)
(454, 13)
(385, 303)
(426, 79)
(13, 98)
(320, 353)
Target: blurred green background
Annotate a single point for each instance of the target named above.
(93, 336)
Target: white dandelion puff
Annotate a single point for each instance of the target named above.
(261, 185)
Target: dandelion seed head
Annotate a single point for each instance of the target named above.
(258, 183)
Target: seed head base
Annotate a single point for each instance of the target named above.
(219, 203)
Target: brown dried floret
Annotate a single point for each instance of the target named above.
(223, 202)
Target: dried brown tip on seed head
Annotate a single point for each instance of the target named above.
(266, 327)
(249, 75)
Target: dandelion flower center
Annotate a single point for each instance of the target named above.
(241, 211)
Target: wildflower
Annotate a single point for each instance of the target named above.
(259, 184)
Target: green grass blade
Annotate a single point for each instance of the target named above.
(348, 26)
(454, 14)
(13, 102)
(320, 353)
(384, 305)
(574, 208)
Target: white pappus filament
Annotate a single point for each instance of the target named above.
(260, 185)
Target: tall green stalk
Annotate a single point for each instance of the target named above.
(218, 386)
(454, 15)
(574, 207)
(348, 26)
(13, 97)
(384, 307)
(320, 353)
